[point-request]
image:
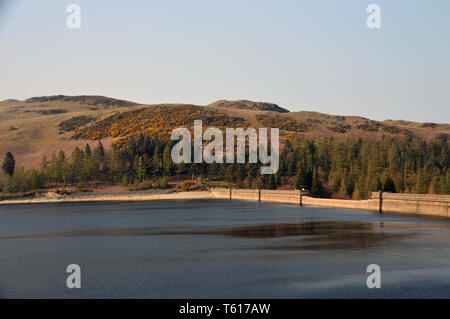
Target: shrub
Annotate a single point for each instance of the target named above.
(51, 112)
(188, 186)
(62, 191)
(75, 122)
(81, 187)
(147, 184)
(163, 182)
(134, 186)
(124, 181)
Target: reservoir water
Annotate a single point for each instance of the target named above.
(218, 249)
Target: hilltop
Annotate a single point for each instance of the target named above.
(248, 105)
(42, 126)
(82, 100)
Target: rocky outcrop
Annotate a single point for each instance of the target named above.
(249, 105)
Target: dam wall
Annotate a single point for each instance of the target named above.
(415, 204)
(412, 204)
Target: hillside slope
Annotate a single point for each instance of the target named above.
(42, 126)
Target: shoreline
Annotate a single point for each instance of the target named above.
(111, 197)
(406, 204)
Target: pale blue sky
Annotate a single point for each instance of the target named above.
(303, 55)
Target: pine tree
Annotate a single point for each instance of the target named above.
(9, 164)
(379, 185)
(91, 166)
(445, 184)
(357, 194)
(167, 161)
(434, 186)
(302, 179)
(156, 162)
(248, 182)
(299, 180)
(316, 187)
(140, 169)
(271, 183)
(99, 152)
(87, 151)
(77, 163)
(229, 173)
(421, 184)
(346, 188)
(63, 167)
(389, 186)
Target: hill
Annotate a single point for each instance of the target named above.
(248, 105)
(42, 126)
(95, 100)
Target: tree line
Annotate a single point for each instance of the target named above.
(328, 167)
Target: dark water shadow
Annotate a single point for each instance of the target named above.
(330, 235)
(311, 235)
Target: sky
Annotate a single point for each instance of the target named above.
(314, 55)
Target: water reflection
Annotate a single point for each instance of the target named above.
(329, 228)
(309, 235)
(329, 235)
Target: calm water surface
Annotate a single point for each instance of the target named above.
(218, 249)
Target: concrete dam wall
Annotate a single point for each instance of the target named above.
(423, 205)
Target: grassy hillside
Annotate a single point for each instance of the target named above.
(32, 128)
(42, 126)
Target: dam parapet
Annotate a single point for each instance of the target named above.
(412, 204)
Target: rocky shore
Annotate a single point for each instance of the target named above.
(110, 196)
